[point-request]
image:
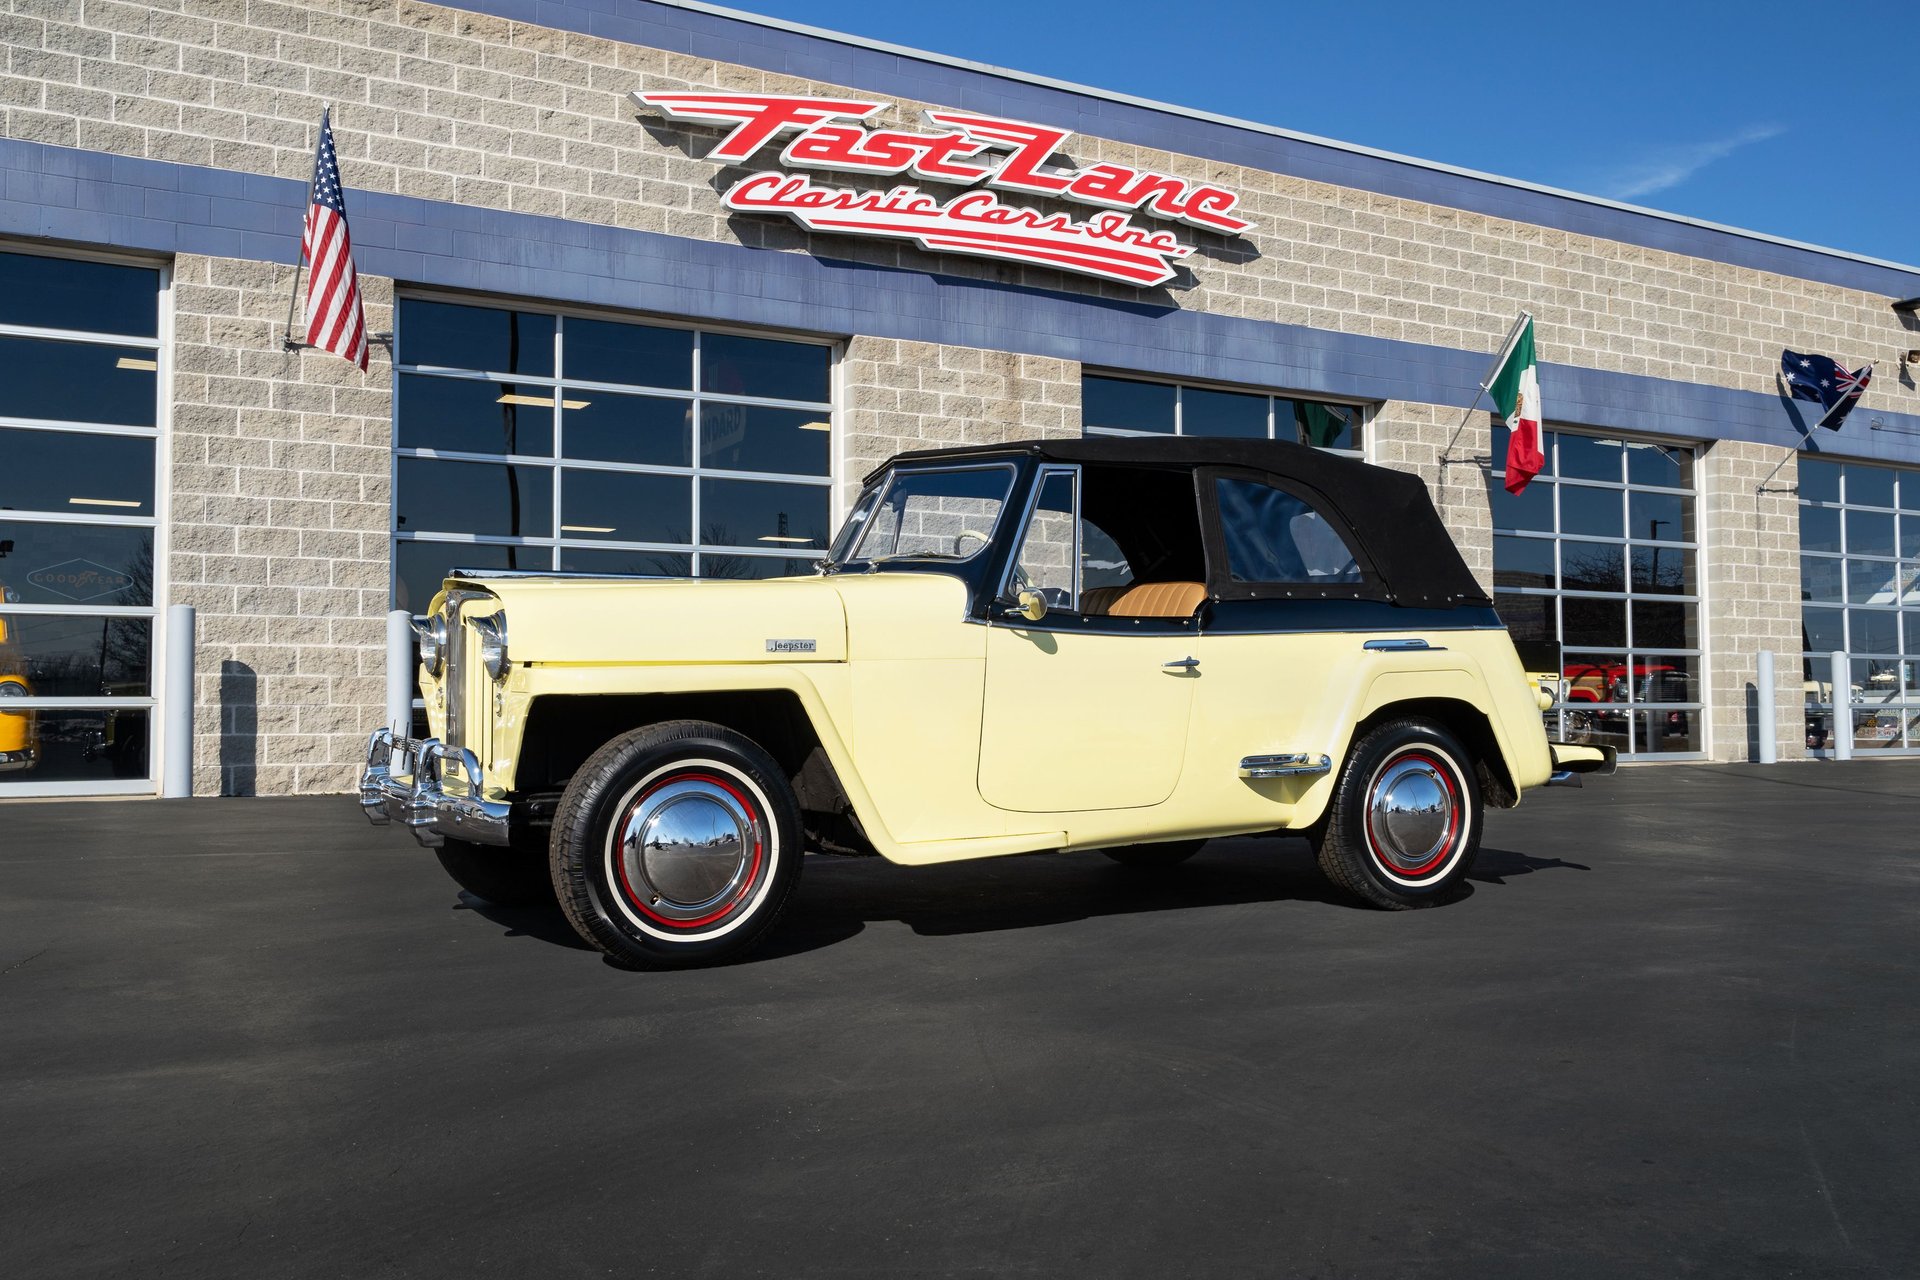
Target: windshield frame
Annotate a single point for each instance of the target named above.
(840, 560)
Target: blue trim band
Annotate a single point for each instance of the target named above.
(898, 73)
(157, 206)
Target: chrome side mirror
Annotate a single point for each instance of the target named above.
(1032, 606)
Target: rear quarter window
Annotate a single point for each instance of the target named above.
(1273, 536)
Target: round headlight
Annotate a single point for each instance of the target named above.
(12, 689)
(433, 642)
(493, 643)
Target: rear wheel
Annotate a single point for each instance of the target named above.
(1153, 857)
(676, 845)
(1404, 822)
(505, 877)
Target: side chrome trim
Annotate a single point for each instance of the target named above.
(1284, 766)
(1408, 644)
(404, 781)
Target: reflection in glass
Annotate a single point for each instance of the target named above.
(620, 506)
(1820, 529)
(86, 746)
(1659, 464)
(1665, 678)
(1869, 486)
(638, 355)
(1528, 618)
(719, 564)
(1877, 680)
(77, 657)
(474, 497)
(75, 471)
(738, 437)
(1658, 625)
(1872, 631)
(1820, 578)
(77, 382)
(470, 416)
(1876, 730)
(1872, 582)
(92, 297)
(924, 513)
(1222, 413)
(1522, 562)
(1593, 623)
(490, 339)
(1869, 533)
(1910, 528)
(1661, 570)
(1660, 517)
(737, 366)
(742, 513)
(1819, 481)
(1592, 566)
(420, 567)
(1666, 731)
(602, 426)
(1823, 630)
(76, 563)
(1591, 513)
(1587, 458)
(1323, 426)
(1531, 510)
(1122, 405)
(647, 564)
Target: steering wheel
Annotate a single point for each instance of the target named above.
(960, 538)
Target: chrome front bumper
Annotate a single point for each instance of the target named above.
(405, 781)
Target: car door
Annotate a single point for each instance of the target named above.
(1081, 711)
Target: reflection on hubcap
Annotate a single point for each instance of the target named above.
(1412, 814)
(688, 848)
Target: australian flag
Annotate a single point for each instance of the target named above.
(1818, 378)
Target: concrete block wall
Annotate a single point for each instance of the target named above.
(1751, 585)
(280, 479)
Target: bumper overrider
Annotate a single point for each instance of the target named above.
(407, 780)
(1573, 761)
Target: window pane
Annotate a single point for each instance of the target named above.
(1585, 458)
(1819, 481)
(1660, 571)
(1531, 510)
(475, 417)
(1594, 623)
(1872, 631)
(83, 746)
(1528, 618)
(1657, 625)
(1272, 536)
(745, 512)
(420, 567)
(1102, 563)
(1593, 566)
(1659, 464)
(722, 564)
(1820, 578)
(739, 437)
(490, 339)
(1666, 678)
(1667, 731)
(71, 471)
(600, 426)
(1222, 413)
(1592, 513)
(474, 497)
(76, 563)
(1876, 730)
(1122, 405)
(1819, 528)
(1869, 533)
(1597, 677)
(1660, 517)
(1910, 584)
(1910, 533)
(639, 355)
(1822, 630)
(1878, 679)
(1910, 490)
(1046, 547)
(63, 657)
(1324, 426)
(764, 367)
(925, 513)
(77, 382)
(1522, 562)
(649, 564)
(64, 293)
(1873, 582)
(1869, 486)
(620, 506)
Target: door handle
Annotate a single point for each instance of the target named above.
(1180, 664)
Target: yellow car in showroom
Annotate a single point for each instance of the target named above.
(19, 727)
(1130, 645)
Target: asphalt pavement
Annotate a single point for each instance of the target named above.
(1671, 1031)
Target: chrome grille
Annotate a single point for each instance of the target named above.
(456, 685)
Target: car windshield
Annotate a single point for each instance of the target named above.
(944, 513)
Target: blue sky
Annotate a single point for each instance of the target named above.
(1799, 120)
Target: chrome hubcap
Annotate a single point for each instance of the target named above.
(1411, 813)
(688, 847)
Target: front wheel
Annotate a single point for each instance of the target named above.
(676, 845)
(1404, 822)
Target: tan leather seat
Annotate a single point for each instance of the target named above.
(1143, 600)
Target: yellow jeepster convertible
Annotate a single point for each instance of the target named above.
(1130, 645)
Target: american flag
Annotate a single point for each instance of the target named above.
(335, 320)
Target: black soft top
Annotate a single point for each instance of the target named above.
(1388, 512)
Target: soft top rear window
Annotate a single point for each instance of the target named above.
(1273, 536)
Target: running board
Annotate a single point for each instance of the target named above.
(1289, 766)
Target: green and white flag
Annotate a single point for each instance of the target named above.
(1515, 389)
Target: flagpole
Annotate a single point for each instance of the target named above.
(1506, 349)
(286, 342)
(1806, 434)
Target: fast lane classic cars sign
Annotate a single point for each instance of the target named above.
(963, 150)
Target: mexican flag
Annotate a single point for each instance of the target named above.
(1516, 396)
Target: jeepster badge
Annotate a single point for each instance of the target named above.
(791, 646)
(964, 150)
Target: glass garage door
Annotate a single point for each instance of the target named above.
(532, 440)
(79, 431)
(1598, 559)
(1860, 594)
